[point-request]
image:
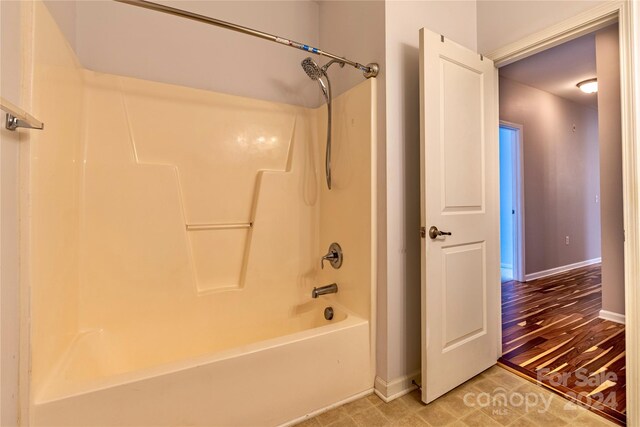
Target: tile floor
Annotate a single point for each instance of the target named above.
(485, 393)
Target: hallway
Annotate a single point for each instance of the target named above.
(552, 333)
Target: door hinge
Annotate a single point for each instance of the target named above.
(423, 232)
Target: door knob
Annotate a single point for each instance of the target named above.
(434, 232)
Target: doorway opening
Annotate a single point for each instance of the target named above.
(563, 316)
(511, 202)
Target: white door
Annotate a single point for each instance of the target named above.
(460, 195)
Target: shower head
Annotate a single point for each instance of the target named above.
(316, 73)
(312, 69)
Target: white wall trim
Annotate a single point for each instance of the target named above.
(627, 13)
(394, 389)
(610, 315)
(327, 408)
(561, 269)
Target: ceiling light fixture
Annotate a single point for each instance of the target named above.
(588, 86)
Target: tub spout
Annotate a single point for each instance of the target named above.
(323, 290)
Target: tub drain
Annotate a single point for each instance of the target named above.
(328, 313)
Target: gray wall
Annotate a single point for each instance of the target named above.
(64, 12)
(400, 328)
(610, 135)
(561, 177)
(117, 38)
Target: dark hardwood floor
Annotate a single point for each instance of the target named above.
(551, 333)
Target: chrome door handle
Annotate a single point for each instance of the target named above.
(434, 232)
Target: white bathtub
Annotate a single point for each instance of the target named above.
(265, 383)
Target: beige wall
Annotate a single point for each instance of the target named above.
(610, 136)
(399, 352)
(501, 22)
(561, 180)
(10, 78)
(51, 172)
(353, 154)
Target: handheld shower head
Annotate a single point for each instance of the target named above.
(316, 73)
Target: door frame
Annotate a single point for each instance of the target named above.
(518, 232)
(626, 14)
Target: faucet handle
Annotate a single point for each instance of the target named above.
(334, 256)
(328, 257)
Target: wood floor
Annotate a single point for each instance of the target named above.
(551, 333)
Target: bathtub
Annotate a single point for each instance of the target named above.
(103, 382)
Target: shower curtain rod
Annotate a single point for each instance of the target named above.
(369, 70)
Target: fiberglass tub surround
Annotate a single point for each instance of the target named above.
(176, 235)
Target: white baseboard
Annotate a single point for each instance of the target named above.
(394, 389)
(561, 269)
(610, 315)
(326, 409)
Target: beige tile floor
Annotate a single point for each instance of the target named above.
(451, 409)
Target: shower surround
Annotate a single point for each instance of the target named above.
(173, 237)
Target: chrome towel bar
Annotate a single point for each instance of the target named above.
(18, 118)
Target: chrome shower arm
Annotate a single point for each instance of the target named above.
(326, 66)
(369, 70)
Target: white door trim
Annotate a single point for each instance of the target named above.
(519, 237)
(625, 12)
(572, 28)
